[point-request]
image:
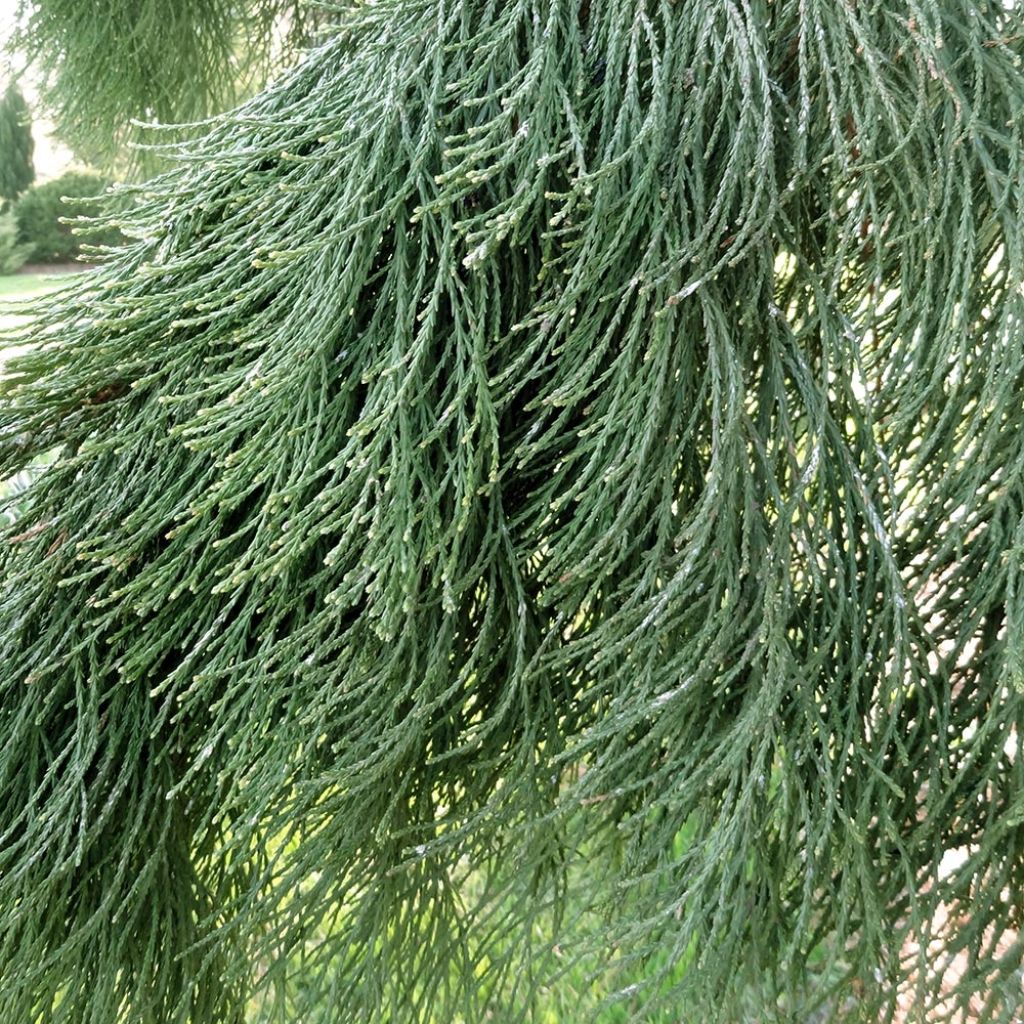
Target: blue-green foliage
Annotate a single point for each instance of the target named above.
(542, 497)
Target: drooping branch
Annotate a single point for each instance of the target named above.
(542, 494)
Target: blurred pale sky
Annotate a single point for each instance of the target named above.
(7, 9)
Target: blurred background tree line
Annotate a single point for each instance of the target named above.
(105, 120)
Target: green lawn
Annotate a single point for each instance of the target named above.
(18, 287)
(14, 288)
(23, 286)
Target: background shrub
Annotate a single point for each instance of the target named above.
(42, 210)
(12, 253)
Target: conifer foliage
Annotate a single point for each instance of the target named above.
(109, 67)
(543, 493)
(17, 170)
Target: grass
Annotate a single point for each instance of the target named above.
(16, 288)
(23, 286)
(19, 287)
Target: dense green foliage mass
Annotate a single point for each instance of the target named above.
(544, 492)
(17, 170)
(13, 253)
(47, 216)
(111, 66)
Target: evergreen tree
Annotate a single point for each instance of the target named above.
(543, 492)
(17, 171)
